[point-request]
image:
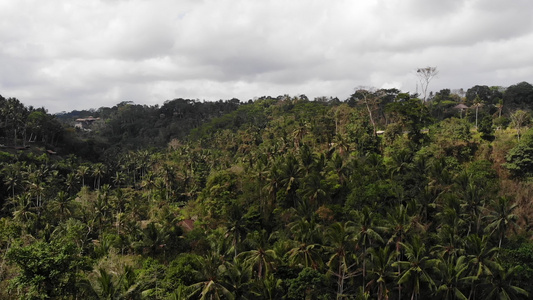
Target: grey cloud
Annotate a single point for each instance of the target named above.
(77, 54)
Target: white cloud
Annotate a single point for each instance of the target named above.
(81, 54)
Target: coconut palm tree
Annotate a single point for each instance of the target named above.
(71, 183)
(23, 210)
(367, 235)
(501, 217)
(340, 245)
(118, 178)
(290, 179)
(481, 260)
(109, 286)
(305, 255)
(416, 268)
(261, 259)
(400, 226)
(211, 286)
(451, 278)
(381, 271)
(499, 286)
(62, 205)
(99, 170)
(82, 172)
(269, 288)
(314, 190)
(12, 177)
(237, 277)
(236, 226)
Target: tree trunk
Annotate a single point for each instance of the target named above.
(371, 117)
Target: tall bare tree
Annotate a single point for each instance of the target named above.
(519, 119)
(370, 97)
(425, 75)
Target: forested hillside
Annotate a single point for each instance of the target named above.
(379, 196)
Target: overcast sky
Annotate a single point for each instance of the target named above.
(70, 54)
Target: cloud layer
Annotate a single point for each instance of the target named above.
(66, 55)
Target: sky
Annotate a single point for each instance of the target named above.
(79, 54)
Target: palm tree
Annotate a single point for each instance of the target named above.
(154, 238)
(305, 255)
(23, 210)
(341, 168)
(237, 277)
(381, 271)
(270, 288)
(261, 259)
(104, 286)
(143, 161)
(306, 231)
(12, 177)
(401, 225)
(307, 157)
(119, 200)
(426, 202)
(480, 259)
(290, 178)
(499, 105)
(38, 190)
(499, 286)
(366, 234)
(168, 174)
(99, 170)
(501, 217)
(341, 242)
(211, 286)
(70, 183)
(273, 178)
(236, 226)
(118, 179)
(82, 172)
(477, 104)
(109, 285)
(473, 200)
(451, 278)
(448, 234)
(416, 268)
(62, 204)
(315, 190)
(149, 183)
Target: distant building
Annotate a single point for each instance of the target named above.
(461, 107)
(85, 124)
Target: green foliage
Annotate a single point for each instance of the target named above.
(486, 128)
(452, 138)
(520, 158)
(181, 272)
(501, 122)
(46, 270)
(484, 93)
(520, 94)
(413, 115)
(519, 254)
(310, 284)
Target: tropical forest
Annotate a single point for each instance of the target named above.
(384, 195)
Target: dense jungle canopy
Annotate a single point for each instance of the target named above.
(379, 196)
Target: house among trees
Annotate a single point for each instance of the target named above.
(461, 107)
(86, 123)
